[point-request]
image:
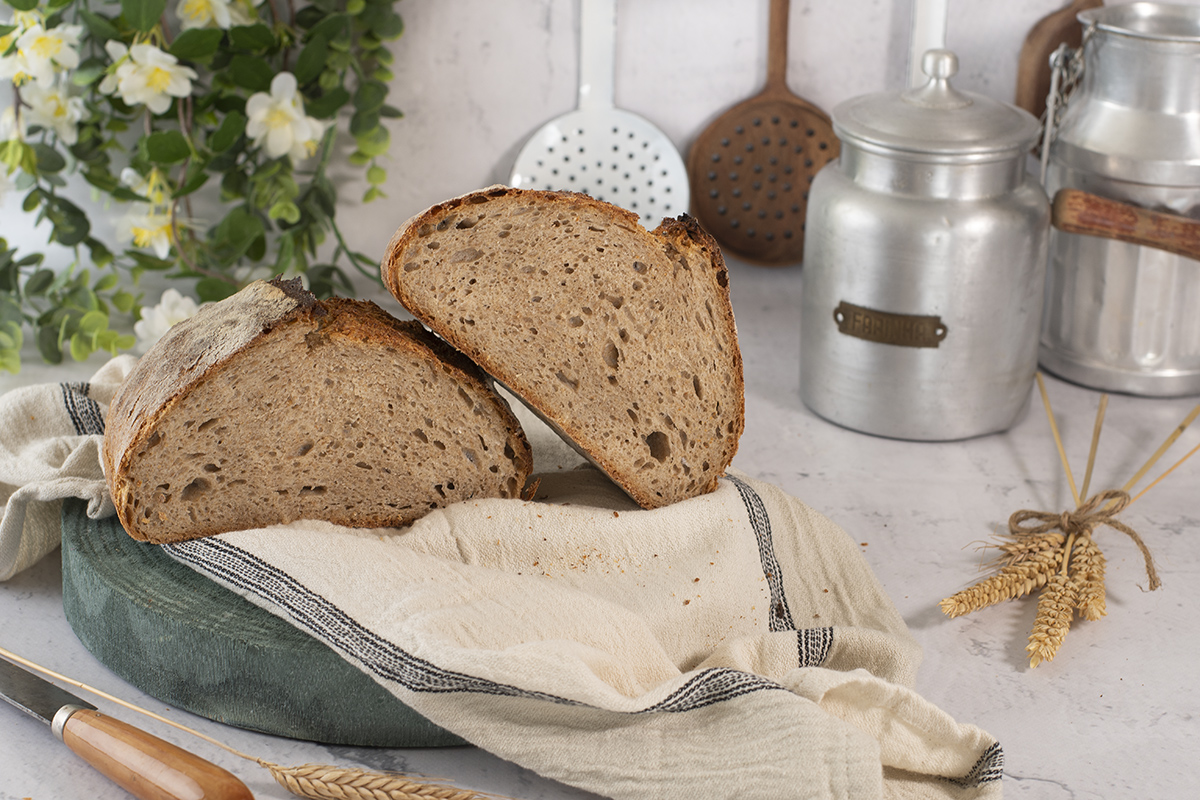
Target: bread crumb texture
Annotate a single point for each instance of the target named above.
(623, 339)
(336, 412)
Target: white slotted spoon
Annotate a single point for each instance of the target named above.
(601, 150)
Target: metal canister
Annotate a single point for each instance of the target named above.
(924, 264)
(1123, 316)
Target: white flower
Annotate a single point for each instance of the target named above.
(51, 107)
(153, 187)
(277, 120)
(156, 321)
(148, 227)
(146, 75)
(40, 53)
(8, 125)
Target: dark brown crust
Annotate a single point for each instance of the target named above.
(185, 359)
(682, 232)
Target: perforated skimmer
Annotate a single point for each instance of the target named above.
(606, 152)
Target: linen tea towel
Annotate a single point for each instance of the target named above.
(731, 645)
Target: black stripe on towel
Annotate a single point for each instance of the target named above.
(813, 645)
(989, 768)
(780, 616)
(84, 411)
(312, 612)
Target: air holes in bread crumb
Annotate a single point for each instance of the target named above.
(640, 268)
(660, 446)
(465, 255)
(616, 300)
(574, 384)
(195, 489)
(203, 427)
(611, 354)
(311, 490)
(696, 387)
(411, 266)
(575, 322)
(363, 465)
(467, 222)
(211, 468)
(420, 434)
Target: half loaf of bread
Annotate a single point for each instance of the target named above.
(272, 406)
(622, 339)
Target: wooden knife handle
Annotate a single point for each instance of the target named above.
(145, 766)
(1076, 211)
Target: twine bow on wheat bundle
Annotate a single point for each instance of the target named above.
(1057, 552)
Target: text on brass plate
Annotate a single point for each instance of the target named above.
(905, 330)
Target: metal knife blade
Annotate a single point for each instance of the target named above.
(37, 697)
(145, 766)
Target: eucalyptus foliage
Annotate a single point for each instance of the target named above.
(150, 104)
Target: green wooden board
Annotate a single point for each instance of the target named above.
(181, 638)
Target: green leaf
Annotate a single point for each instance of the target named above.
(251, 73)
(48, 346)
(311, 60)
(93, 322)
(106, 282)
(235, 234)
(232, 127)
(32, 200)
(285, 210)
(355, 7)
(142, 14)
(211, 290)
(334, 26)
(124, 301)
(39, 282)
(167, 147)
(195, 177)
(101, 255)
(369, 96)
(100, 27)
(376, 176)
(391, 112)
(374, 143)
(81, 346)
(71, 225)
(373, 193)
(196, 44)
(252, 37)
(23, 5)
(328, 104)
(48, 159)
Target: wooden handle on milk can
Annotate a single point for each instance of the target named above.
(1076, 211)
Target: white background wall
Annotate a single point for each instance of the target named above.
(475, 78)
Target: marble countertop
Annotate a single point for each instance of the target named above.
(1114, 715)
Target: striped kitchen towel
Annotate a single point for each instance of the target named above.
(50, 436)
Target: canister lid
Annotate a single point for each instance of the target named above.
(936, 119)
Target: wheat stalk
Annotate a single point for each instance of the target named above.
(1015, 580)
(1087, 577)
(323, 782)
(1055, 608)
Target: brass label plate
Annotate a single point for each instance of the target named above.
(884, 327)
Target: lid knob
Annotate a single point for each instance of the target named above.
(940, 66)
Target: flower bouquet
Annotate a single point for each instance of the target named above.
(167, 114)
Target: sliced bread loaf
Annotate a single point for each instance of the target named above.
(272, 406)
(622, 339)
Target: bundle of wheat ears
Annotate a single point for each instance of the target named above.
(1057, 552)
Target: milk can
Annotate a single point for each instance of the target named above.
(1122, 315)
(924, 264)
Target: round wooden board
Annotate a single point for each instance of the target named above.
(181, 638)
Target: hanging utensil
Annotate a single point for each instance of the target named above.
(1033, 65)
(606, 152)
(751, 168)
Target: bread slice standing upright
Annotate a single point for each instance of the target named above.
(621, 338)
(272, 406)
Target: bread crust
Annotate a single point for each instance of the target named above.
(208, 345)
(680, 235)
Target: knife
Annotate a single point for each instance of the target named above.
(145, 766)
